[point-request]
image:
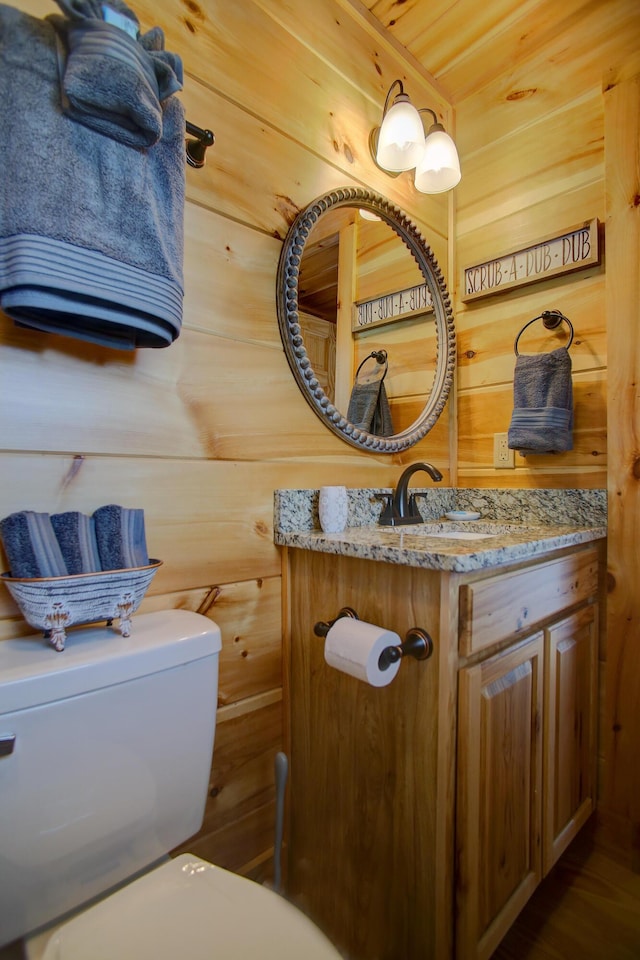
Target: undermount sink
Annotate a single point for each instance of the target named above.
(460, 535)
(473, 530)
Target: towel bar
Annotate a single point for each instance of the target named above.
(551, 320)
(196, 149)
(380, 356)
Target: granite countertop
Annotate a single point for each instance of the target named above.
(581, 519)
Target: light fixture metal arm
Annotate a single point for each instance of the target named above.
(388, 97)
(433, 114)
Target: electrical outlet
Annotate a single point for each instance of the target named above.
(503, 457)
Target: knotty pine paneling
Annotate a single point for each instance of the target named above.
(204, 397)
(547, 216)
(328, 103)
(254, 173)
(242, 775)
(512, 50)
(200, 434)
(249, 616)
(539, 168)
(548, 60)
(488, 329)
(239, 820)
(486, 411)
(220, 253)
(621, 738)
(468, 48)
(519, 167)
(210, 521)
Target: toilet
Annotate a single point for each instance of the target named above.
(105, 752)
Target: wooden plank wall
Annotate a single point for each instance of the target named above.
(532, 148)
(200, 434)
(534, 145)
(621, 733)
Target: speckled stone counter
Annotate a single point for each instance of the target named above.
(519, 523)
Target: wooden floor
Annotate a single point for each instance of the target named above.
(588, 908)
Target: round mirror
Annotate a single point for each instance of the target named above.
(366, 320)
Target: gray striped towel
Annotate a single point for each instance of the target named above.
(76, 535)
(31, 545)
(121, 537)
(542, 419)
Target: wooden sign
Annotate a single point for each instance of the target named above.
(402, 305)
(574, 250)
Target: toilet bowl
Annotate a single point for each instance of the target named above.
(104, 770)
(186, 908)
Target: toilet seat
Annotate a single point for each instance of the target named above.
(190, 908)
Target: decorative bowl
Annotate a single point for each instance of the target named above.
(53, 603)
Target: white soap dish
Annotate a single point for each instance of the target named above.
(462, 515)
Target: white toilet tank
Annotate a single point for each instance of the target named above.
(110, 762)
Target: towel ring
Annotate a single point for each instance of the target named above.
(381, 357)
(551, 319)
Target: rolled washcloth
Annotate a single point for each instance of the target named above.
(121, 537)
(114, 79)
(31, 545)
(76, 535)
(542, 419)
(91, 230)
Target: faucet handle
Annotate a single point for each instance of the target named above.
(414, 512)
(387, 516)
(425, 496)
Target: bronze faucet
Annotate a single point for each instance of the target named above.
(401, 507)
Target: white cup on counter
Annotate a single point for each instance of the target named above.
(333, 508)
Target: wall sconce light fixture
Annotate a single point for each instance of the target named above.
(197, 149)
(399, 144)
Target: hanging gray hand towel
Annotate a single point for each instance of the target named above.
(369, 409)
(31, 546)
(91, 230)
(76, 535)
(113, 78)
(542, 419)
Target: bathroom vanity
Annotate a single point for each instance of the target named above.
(424, 813)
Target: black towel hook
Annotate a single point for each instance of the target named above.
(551, 320)
(381, 357)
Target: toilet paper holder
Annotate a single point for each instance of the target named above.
(417, 642)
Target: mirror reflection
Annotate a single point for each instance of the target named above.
(388, 347)
(366, 320)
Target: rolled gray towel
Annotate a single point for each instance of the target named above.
(31, 545)
(76, 535)
(121, 537)
(114, 80)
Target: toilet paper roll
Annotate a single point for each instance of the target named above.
(354, 647)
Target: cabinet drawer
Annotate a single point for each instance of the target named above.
(511, 604)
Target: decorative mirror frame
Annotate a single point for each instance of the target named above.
(291, 334)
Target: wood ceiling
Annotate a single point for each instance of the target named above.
(468, 44)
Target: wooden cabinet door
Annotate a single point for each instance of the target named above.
(570, 730)
(499, 794)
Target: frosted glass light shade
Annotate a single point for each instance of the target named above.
(438, 169)
(401, 137)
